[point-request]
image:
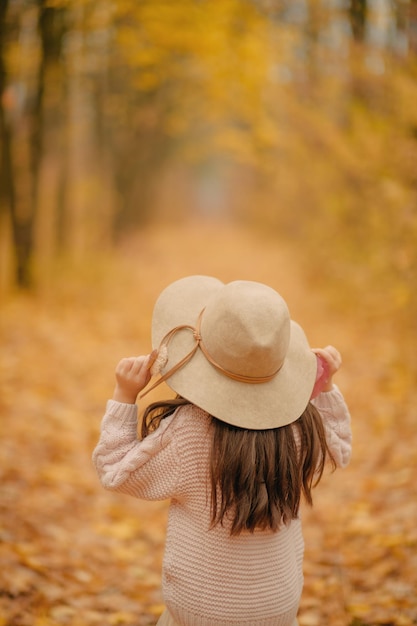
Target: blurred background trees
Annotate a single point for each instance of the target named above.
(298, 117)
(125, 127)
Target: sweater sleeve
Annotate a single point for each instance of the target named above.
(337, 424)
(147, 468)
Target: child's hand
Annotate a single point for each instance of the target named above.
(132, 375)
(333, 361)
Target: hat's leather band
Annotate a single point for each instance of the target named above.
(253, 380)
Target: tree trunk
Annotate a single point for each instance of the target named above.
(7, 182)
(21, 212)
(358, 14)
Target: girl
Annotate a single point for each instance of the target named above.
(255, 418)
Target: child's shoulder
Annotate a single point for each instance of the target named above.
(187, 411)
(191, 418)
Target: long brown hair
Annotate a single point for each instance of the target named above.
(157, 411)
(258, 476)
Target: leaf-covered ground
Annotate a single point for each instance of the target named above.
(71, 553)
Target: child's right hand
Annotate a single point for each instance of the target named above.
(132, 375)
(332, 362)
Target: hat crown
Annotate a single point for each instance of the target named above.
(246, 329)
(225, 344)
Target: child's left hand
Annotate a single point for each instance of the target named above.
(331, 362)
(132, 375)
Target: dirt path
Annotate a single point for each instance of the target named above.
(73, 554)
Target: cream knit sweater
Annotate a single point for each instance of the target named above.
(209, 577)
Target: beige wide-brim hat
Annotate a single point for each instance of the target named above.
(233, 350)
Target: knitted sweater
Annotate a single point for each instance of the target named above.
(209, 577)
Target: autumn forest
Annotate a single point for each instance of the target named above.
(141, 141)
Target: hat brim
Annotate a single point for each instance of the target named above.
(260, 406)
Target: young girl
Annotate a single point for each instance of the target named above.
(255, 418)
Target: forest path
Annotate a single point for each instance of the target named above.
(74, 554)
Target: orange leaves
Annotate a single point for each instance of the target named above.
(368, 538)
(72, 554)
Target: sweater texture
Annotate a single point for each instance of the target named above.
(209, 577)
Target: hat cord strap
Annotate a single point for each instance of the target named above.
(164, 342)
(253, 380)
(241, 378)
(199, 344)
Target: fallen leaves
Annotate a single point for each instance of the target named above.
(73, 554)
